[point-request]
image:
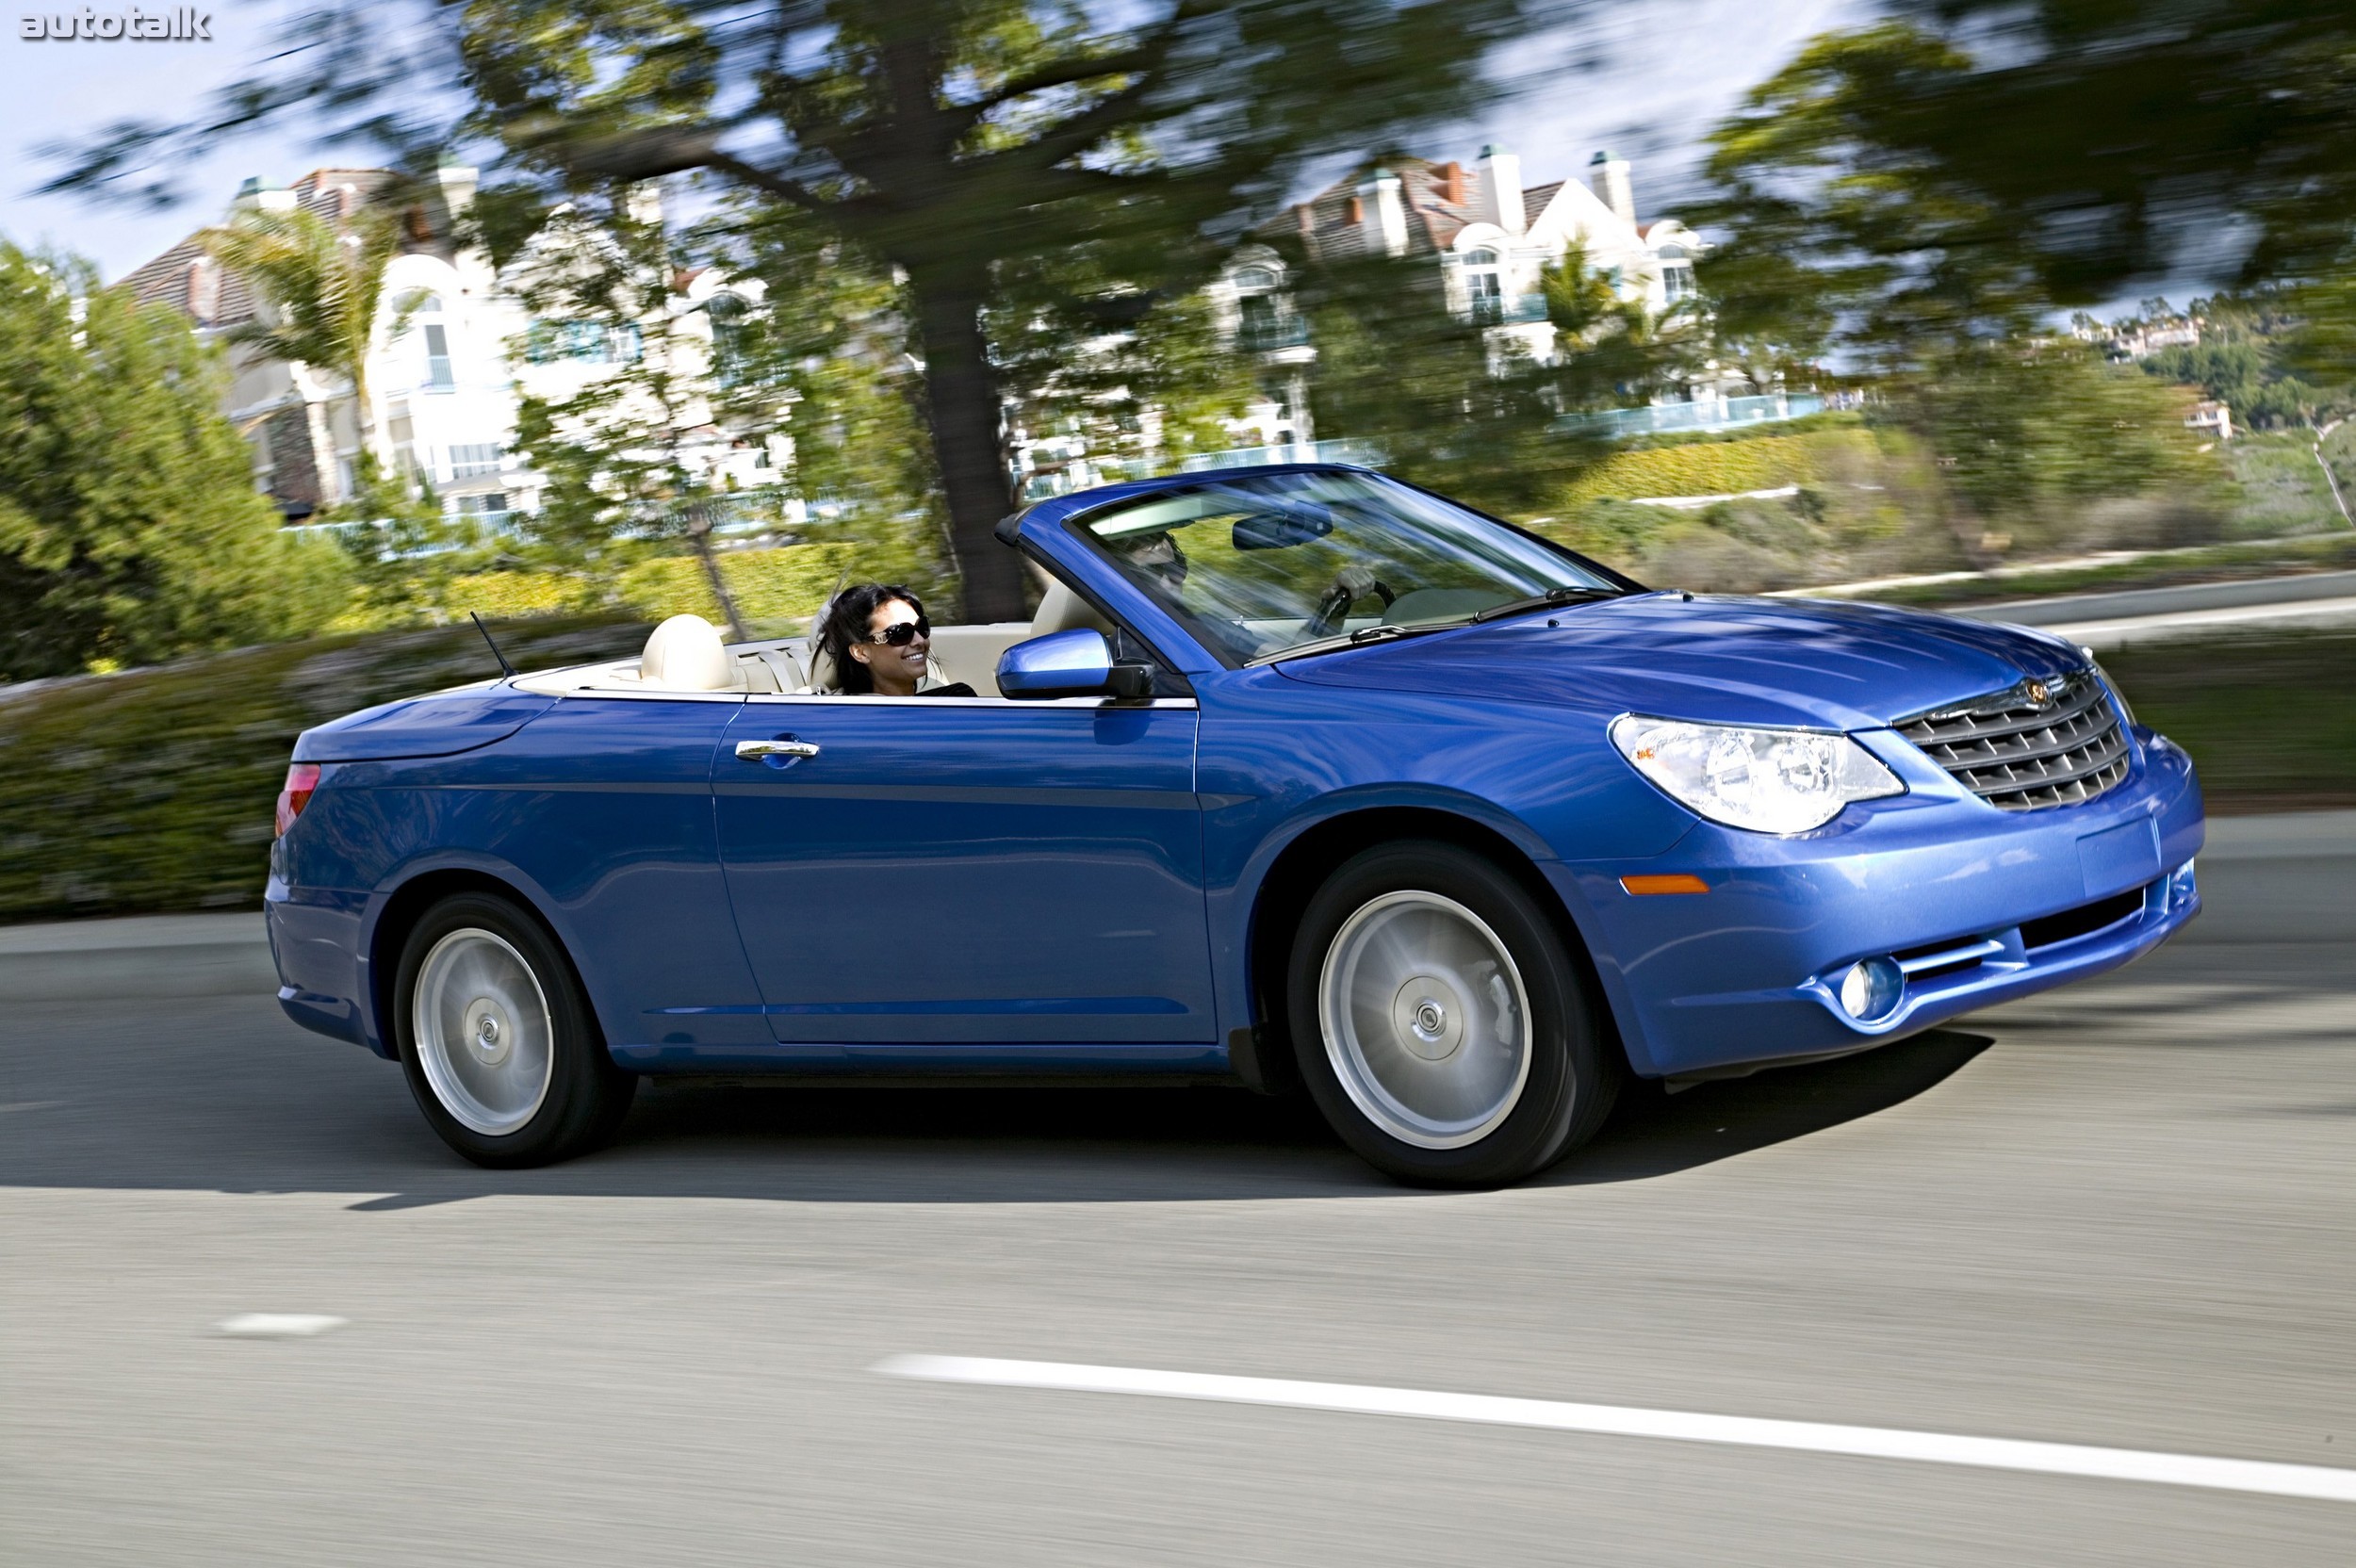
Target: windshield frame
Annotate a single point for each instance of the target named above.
(1074, 527)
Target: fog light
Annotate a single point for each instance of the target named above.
(2180, 886)
(1869, 991)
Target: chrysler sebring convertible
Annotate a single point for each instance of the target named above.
(1301, 778)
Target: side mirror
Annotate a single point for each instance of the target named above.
(1074, 663)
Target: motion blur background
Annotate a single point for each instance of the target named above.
(580, 315)
(355, 317)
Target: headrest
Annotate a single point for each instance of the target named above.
(1064, 611)
(685, 654)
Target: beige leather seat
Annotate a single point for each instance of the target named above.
(1064, 611)
(685, 654)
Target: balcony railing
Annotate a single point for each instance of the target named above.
(1365, 455)
(1701, 414)
(1285, 332)
(1087, 473)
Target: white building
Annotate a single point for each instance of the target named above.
(1489, 237)
(448, 386)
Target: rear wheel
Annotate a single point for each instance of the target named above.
(1438, 1023)
(499, 1042)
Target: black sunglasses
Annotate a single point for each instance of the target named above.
(902, 634)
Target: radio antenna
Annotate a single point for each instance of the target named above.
(507, 668)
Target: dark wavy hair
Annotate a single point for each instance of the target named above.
(845, 622)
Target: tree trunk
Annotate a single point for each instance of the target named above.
(699, 539)
(961, 389)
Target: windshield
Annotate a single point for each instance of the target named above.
(1259, 567)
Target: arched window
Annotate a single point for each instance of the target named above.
(1484, 289)
(1254, 280)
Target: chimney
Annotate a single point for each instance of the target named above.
(1501, 188)
(257, 194)
(457, 183)
(1607, 176)
(1382, 214)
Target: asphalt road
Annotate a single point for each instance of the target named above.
(2119, 1214)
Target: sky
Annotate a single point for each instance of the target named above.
(1659, 74)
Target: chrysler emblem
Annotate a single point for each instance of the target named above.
(2039, 693)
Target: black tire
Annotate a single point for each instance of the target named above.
(1568, 1073)
(581, 1095)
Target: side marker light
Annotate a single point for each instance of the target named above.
(1678, 883)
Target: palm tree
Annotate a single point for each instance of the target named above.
(326, 282)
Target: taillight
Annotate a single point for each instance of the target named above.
(302, 778)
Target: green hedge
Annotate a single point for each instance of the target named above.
(2271, 720)
(769, 585)
(1717, 467)
(151, 792)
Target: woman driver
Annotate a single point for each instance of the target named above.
(882, 644)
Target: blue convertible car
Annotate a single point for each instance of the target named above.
(1299, 777)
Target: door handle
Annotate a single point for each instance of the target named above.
(753, 751)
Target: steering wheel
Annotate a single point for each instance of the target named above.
(1347, 589)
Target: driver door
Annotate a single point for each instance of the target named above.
(972, 879)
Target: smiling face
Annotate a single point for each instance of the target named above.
(896, 670)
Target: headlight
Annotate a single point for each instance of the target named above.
(1767, 781)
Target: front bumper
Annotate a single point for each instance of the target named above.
(1964, 896)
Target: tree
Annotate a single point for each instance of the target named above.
(2119, 142)
(1451, 404)
(325, 285)
(1845, 238)
(831, 346)
(2123, 136)
(1835, 236)
(1134, 376)
(945, 138)
(1610, 351)
(631, 456)
(130, 530)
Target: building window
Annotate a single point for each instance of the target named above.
(1676, 274)
(1254, 280)
(584, 341)
(472, 462)
(489, 510)
(727, 337)
(1484, 290)
(437, 376)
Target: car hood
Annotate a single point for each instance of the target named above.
(1712, 659)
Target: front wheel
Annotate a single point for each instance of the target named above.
(499, 1042)
(1438, 1023)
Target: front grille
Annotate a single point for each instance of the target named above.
(2042, 742)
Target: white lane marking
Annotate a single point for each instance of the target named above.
(1993, 1453)
(280, 1325)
